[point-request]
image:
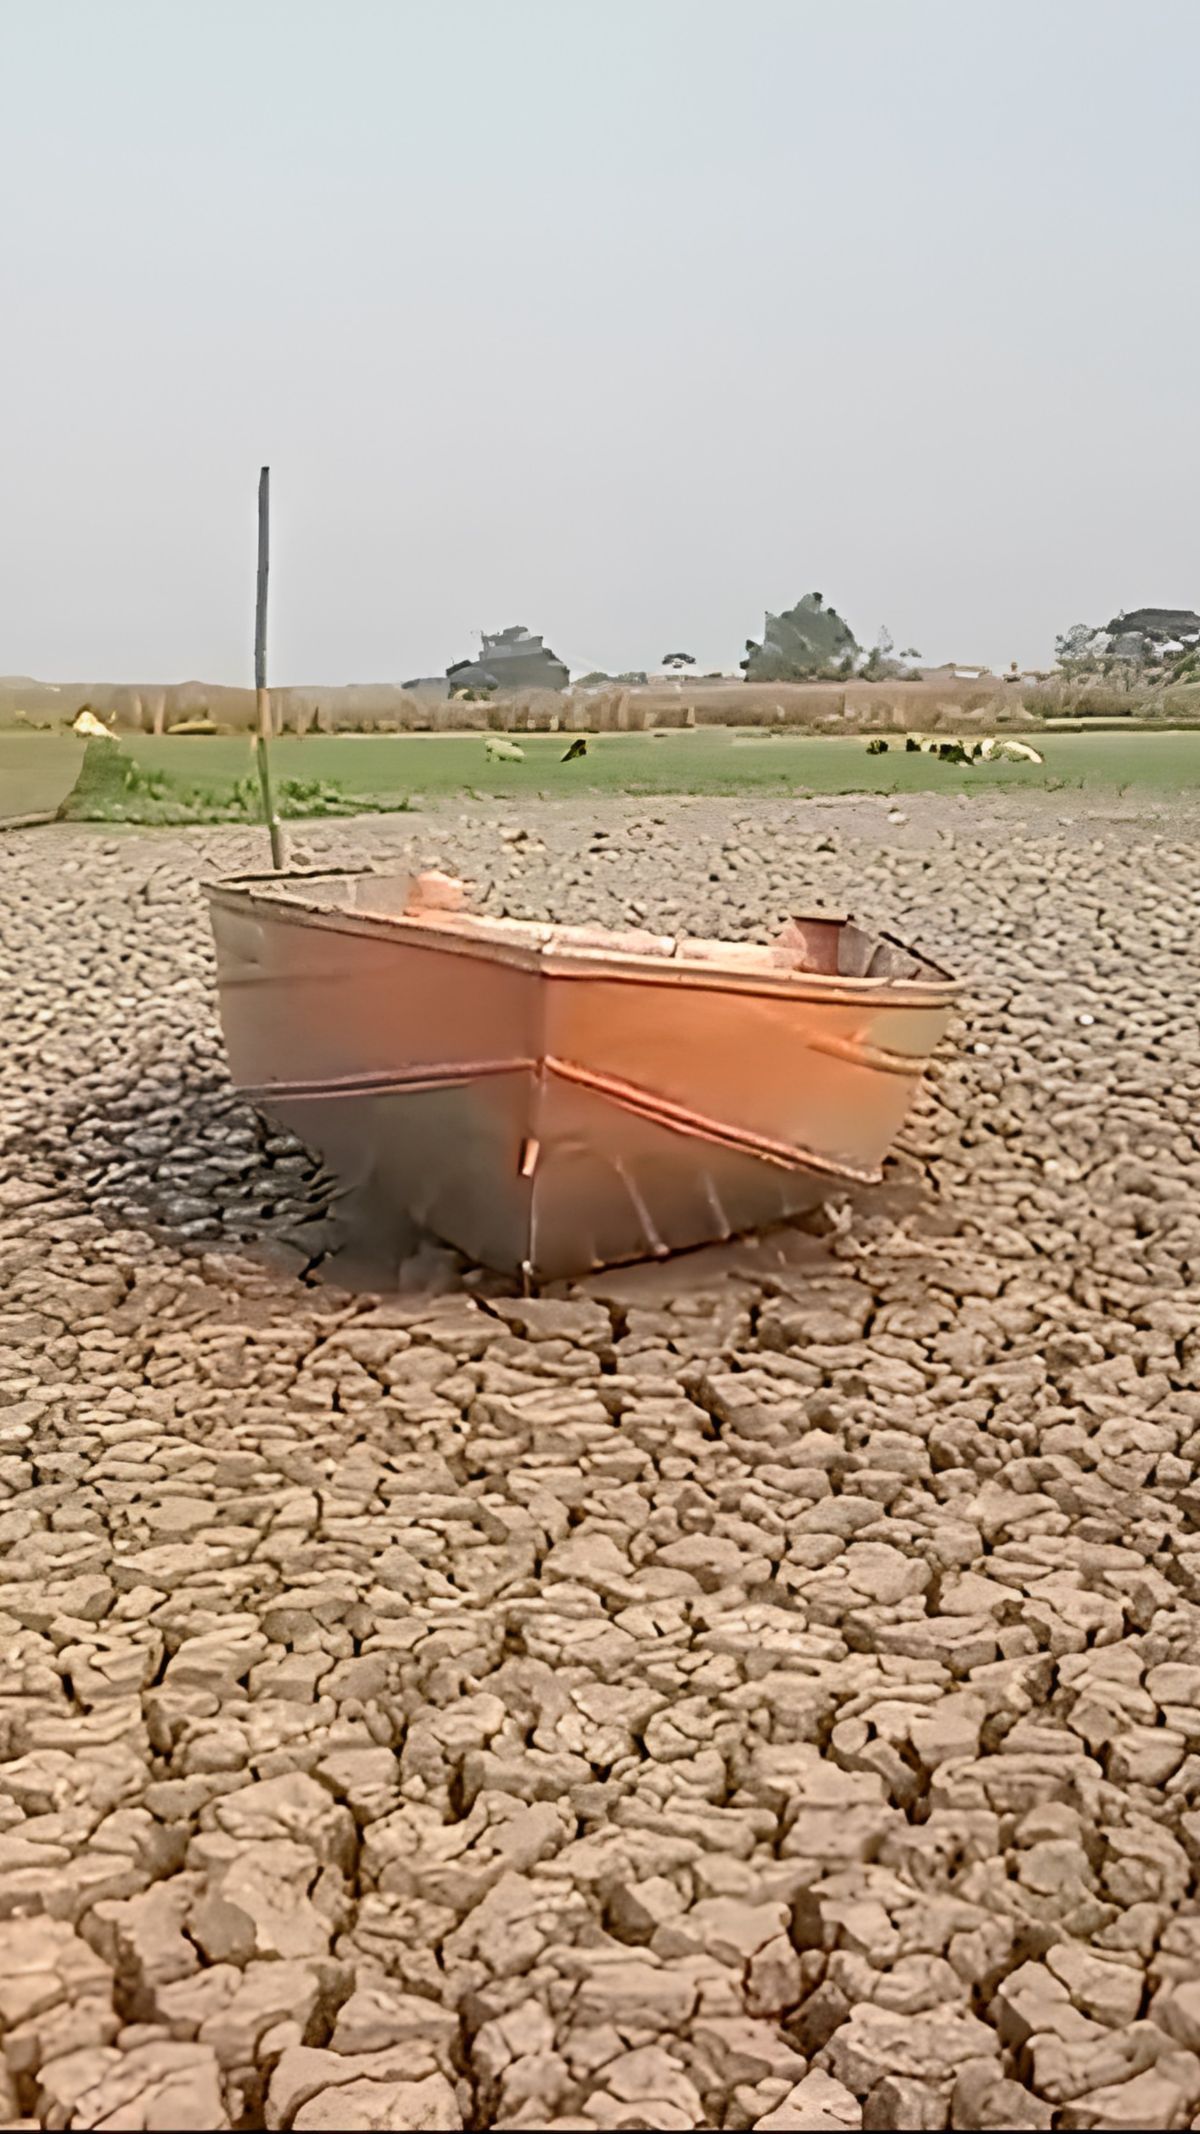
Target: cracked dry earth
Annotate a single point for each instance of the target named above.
(763, 1692)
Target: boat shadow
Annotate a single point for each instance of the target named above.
(204, 1173)
(201, 1173)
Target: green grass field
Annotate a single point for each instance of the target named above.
(37, 772)
(392, 769)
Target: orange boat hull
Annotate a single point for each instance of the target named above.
(550, 1101)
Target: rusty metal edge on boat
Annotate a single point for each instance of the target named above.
(553, 1099)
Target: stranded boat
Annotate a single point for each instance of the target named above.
(554, 1099)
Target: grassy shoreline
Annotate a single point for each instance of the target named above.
(203, 778)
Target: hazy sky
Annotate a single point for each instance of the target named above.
(625, 319)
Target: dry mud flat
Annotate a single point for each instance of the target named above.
(765, 1696)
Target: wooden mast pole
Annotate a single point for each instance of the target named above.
(262, 701)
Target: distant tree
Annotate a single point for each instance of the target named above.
(1076, 650)
(676, 660)
(878, 662)
(1184, 666)
(799, 644)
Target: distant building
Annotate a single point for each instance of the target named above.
(954, 671)
(1147, 636)
(511, 659)
(669, 679)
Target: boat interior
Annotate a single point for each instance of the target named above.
(826, 944)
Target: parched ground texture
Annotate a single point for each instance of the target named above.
(765, 1693)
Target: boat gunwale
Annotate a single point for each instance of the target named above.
(243, 893)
